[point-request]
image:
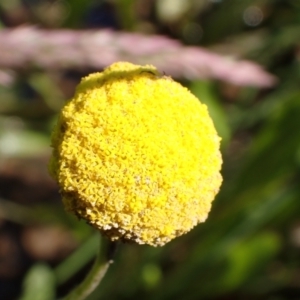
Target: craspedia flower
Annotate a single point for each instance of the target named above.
(136, 155)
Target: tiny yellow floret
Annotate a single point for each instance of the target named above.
(136, 155)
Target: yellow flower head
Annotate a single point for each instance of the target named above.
(136, 155)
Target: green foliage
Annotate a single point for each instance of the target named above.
(39, 283)
(206, 94)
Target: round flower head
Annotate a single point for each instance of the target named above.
(136, 155)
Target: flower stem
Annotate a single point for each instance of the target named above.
(94, 277)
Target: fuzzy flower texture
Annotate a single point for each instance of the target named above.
(136, 155)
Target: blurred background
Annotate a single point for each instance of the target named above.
(242, 59)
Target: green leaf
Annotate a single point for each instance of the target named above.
(72, 264)
(39, 284)
(274, 152)
(204, 91)
(248, 258)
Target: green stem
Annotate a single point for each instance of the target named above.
(94, 277)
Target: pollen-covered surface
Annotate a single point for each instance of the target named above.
(136, 155)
